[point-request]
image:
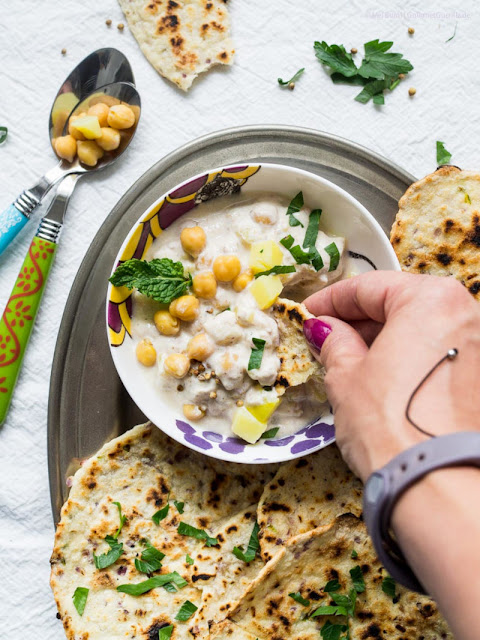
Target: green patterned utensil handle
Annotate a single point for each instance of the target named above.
(19, 316)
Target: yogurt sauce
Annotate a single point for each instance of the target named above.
(222, 382)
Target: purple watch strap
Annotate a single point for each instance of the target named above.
(385, 486)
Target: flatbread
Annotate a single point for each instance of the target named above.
(305, 564)
(437, 228)
(305, 494)
(140, 469)
(297, 365)
(181, 38)
(228, 630)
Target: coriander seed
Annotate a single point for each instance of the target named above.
(108, 22)
(412, 91)
(64, 51)
(120, 26)
(353, 50)
(411, 30)
(291, 86)
(239, 403)
(401, 76)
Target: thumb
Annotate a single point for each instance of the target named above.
(334, 343)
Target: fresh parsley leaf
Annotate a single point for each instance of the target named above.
(293, 79)
(338, 78)
(107, 559)
(3, 134)
(123, 519)
(357, 579)
(161, 279)
(186, 611)
(389, 587)
(294, 207)
(329, 610)
(311, 233)
(152, 583)
(298, 598)
(165, 633)
(256, 354)
(443, 156)
(271, 433)
(161, 514)
(336, 57)
(331, 586)
(331, 631)
(252, 548)
(80, 599)
(150, 560)
(179, 506)
(334, 254)
(185, 529)
(354, 554)
(379, 64)
(189, 559)
(278, 268)
(374, 89)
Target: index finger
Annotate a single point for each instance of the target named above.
(367, 296)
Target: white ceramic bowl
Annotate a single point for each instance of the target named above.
(342, 215)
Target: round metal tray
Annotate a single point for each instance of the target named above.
(88, 404)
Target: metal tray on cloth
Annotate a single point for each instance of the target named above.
(88, 404)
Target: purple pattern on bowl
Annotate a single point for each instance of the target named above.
(198, 441)
(305, 445)
(171, 211)
(233, 445)
(213, 436)
(185, 427)
(281, 442)
(189, 188)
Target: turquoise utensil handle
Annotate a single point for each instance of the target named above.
(19, 316)
(11, 222)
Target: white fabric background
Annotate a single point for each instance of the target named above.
(273, 38)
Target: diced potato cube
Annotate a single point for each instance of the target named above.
(265, 255)
(246, 426)
(262, 412)
(266, 290)
(89, 126)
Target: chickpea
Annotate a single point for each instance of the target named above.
(226, 268)
(166, 323)
(242, 280)
(205, 285)
(185, 308)
(193, 412)
(78, 135)
(89, 152)
(193, 240)
(177, 365)
(146, 353)
(200, 347)
(101, 111)
(110, 139)
(66, 147)
(120, 117)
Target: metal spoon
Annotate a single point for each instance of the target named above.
(19, 315)
(100, 68)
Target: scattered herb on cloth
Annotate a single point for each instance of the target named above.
(3, 134)
(443, 156)
(292, 81)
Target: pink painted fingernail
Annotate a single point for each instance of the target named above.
(316, 332)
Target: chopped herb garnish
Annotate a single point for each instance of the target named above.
(294, 207)
(185, 529)
(106, 559)
(287, 241)
(334, 254)
(161, 279)
(165, 633)
(331, 631)
(298, 598)
(316, 259)
(277, 269)
(170, 587)
(454, 33)
(123, 519)
(374, 89)
(152, 583)
(3, 134)
(312, 229)
(292, 80)
(189, 559)
(80, 599)
(256, 355)
(336, 57)
(346, 601)
(300, 256)
(252, 548)
(331, 586)
(162, 513)
(380, 64)
(389, 587)
(186, 611)
(179, 506)
(467, 199)
(271, 433)
(357, 579)
(354, 554)
(150, 560)
(329, 610)
(443, 156)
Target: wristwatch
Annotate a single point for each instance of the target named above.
(384, 488)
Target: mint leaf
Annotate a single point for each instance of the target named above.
(276, 270)
(161, 514)
(152, 583)
(150, 560)
(253, 546)
(357, 579)
(334, 254)
(443, 156)
(123, 519)
(271, 433)
(179, 506)
(336, 57)
(294, 207)
(379, 64)
(3, 134)
(80, 599)
(298, 598)
(186, 611)
(107, 559)
(331, 586)
(161, 279)
(331, 631)
(256, 354)
(329, 610)
(185, 529)
(389, 587)
(311, 233)
(293, 79)
(165, 633)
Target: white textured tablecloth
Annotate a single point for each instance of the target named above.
(273, 38)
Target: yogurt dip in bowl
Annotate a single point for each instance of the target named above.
(194, 319)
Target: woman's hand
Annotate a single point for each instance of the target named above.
(378, 335)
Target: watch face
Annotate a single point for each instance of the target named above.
(374, 489)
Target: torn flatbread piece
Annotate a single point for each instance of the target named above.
(437, 228)
(181, 38)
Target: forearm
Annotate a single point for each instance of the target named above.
(437, 523)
